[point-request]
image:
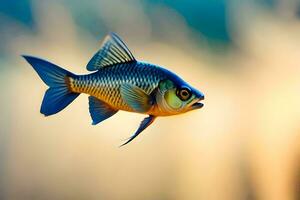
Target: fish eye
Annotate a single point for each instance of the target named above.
(184, 93)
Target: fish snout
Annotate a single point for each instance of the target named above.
(199, 97)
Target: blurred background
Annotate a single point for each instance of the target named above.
(244, 144)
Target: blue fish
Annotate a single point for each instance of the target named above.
(117, 82)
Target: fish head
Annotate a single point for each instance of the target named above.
(175, 96)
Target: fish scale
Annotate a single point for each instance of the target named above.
(105, 83)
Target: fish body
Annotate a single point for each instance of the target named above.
(105, 84)
(119, 82)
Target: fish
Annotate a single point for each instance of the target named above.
(117, 81)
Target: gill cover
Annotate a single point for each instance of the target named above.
(167, 97)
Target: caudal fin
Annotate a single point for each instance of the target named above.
(58, 96)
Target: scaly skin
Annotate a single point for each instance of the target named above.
(105, 84)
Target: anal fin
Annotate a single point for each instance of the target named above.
(144, 124)
(99, 110)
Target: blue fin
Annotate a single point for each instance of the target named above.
(144, 124)
(113, 51)
(58, 96)
(136, 98)
(99, 110)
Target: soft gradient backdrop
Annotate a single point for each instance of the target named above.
(244, 144)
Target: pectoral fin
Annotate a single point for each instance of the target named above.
(144, 124)
(136, 98)
(99, 110)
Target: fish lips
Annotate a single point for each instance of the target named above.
(198, 104)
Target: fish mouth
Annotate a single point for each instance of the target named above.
(198, 104)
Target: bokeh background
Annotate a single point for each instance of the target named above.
(243, 145)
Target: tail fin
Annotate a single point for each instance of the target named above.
(58, 96)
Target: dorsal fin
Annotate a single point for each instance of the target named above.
(113, 51)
